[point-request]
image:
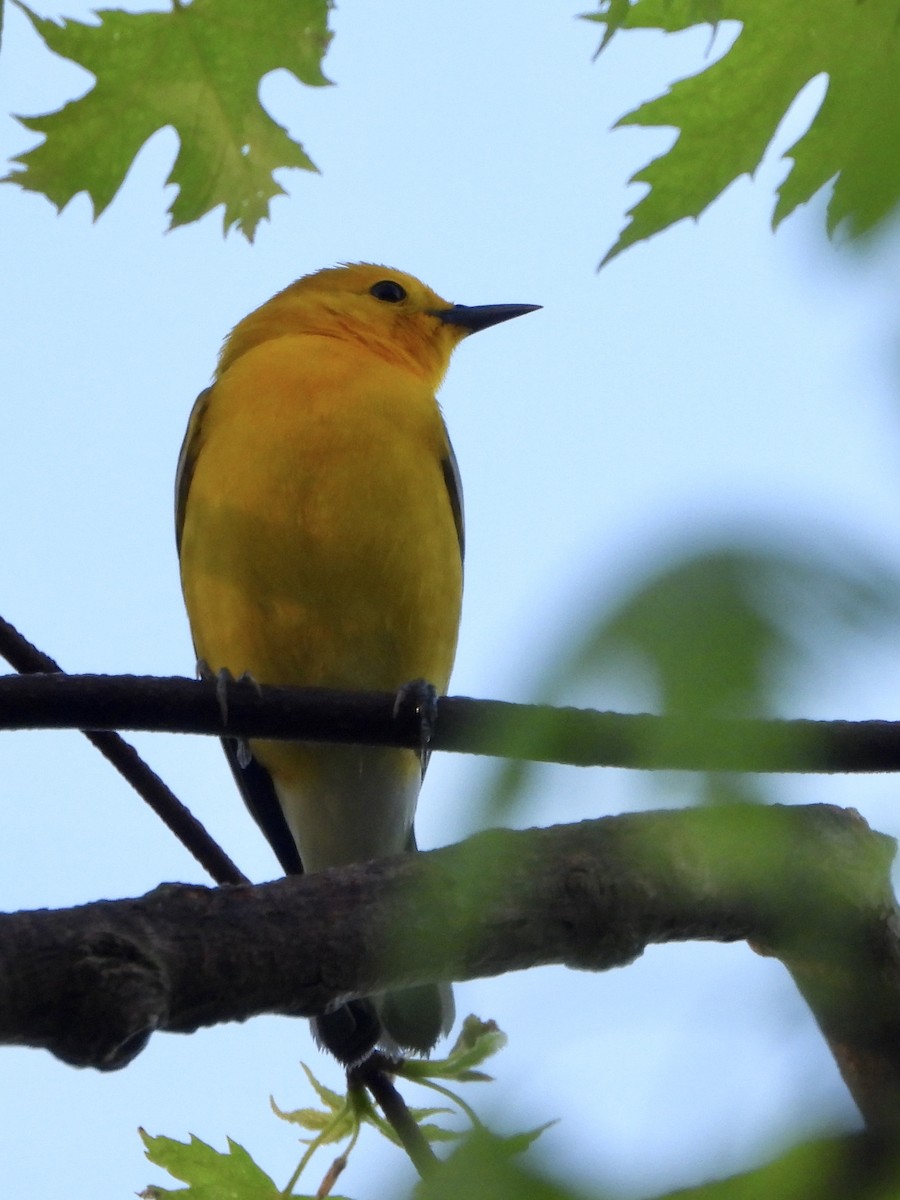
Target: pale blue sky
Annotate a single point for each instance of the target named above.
(717, 375)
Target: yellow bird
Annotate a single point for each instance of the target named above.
(320, 533)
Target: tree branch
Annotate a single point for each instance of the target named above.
(25, 657)
(374, 1073)
(810, 885)
(539, 733)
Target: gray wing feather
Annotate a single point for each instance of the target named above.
(187, 460)
(450, 467)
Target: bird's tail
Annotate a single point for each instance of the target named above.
(415, 1018)
(411, 1019)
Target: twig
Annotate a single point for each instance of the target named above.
(26, 658)
(374, 1074)
(537, 733)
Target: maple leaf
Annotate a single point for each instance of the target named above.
(209, 1174)
(196, 68)
(728, 114)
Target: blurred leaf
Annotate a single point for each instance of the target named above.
(209, 1174)
(717, 633)
(518, 1143)
(719, 626)
(478, 1041)
(484, 1167)
(825, 1169)
(434, 1133)
(728, 113)
(197, 68)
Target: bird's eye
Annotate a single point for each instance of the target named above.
(389, 290)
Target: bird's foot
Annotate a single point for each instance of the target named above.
(223, 678)
(415, 712)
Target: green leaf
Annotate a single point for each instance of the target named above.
(613, 14)
(208, 1174)
(616, 14)
(196, 68)
(717, 632)
(436, 1133)
(478, 1040)
(314, 1119)
(327, 1095)
(827, 1167)
(518, 1143)
(719, 626)
(484, 1167)
(728, 114)
(338, 1119)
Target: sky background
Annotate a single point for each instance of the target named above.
(717, 377)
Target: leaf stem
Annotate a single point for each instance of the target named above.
(318, 1141)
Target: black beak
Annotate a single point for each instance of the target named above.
(473, 317)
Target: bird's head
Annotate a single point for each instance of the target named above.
(391, 313)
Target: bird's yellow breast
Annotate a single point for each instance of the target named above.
(319, 546)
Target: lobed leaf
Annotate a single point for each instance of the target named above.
(728, 113)
(209, 1174)
(196, 68)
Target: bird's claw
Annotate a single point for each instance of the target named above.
(223, 677)
(415, 711)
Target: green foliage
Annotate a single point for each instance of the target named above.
(208, 1174)
(825, 1169)
(718, 632)
(618, 14)
(234, 1175)
(728, 113)
(344, 1116)
(484, 1166)
(196, 68)
(717, 625)
(477, 1042)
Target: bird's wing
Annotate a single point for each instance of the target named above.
(187, 460)
(253, 780)
(450, 467)
(258, 791)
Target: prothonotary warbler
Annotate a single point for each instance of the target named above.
(320, 532)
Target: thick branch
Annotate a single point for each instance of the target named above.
(580, 737)
(808, 884)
